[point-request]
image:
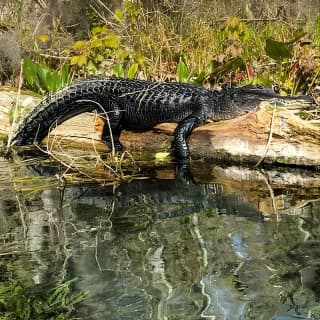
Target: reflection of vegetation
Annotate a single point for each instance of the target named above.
(19, 300)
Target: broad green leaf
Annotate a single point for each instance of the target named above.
(64, 74)
(29, 70)
(42, 73)
(297, 36)
(182, 71)
(132, 70)
(49, 82)
(232, 65)
(55, 81)
(91, 67)
(118, 70)
(277, 50)
(199, 78)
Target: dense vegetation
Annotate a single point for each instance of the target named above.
(195, 48)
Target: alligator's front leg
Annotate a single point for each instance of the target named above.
(112, 130)
(180, 147)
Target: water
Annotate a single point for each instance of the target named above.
(225, 243)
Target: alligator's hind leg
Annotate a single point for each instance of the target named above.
(180, 147)
(112, 130)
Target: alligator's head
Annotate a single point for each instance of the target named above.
(244, 99)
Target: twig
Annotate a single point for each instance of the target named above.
(269, 138)
(256, 20)
(15, 107)
(106, 118)
(53, 57)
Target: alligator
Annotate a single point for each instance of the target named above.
(140, 105)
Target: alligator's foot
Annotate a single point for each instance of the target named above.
(183, 173)
(115, 144)
(181, 152)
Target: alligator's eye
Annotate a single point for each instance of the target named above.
(234, 96)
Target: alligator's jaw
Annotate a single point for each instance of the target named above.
(296, 103)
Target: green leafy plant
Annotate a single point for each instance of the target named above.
(102, 53)
(119, 71)
(290, 67)
(183, 73)
(19, 301)
(40, 78)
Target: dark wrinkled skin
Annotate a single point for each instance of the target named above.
(140, 105)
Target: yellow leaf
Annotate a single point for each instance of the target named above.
(103, 29)
(95, 30)
(161, 156)
(139, 58)
(74, 60)
(79, 45)
(95, 42)
(79, 60)
(43, 37)
(82, 60)
(111, 41)
(233, 22)
(119, 14)
(98, 29)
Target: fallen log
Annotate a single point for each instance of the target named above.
(268, 134)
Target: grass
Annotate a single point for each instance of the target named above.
(204, 41)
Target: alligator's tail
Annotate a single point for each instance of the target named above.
(82, 96)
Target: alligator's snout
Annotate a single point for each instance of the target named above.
(306, 100)
(297, 102)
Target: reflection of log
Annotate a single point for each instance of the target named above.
(270, 191)
(245, 139)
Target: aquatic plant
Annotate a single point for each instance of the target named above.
(22, 301)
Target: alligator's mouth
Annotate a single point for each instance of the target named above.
(296, 103)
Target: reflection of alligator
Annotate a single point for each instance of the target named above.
(149, 199)
(140, 105)
(152, 199)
